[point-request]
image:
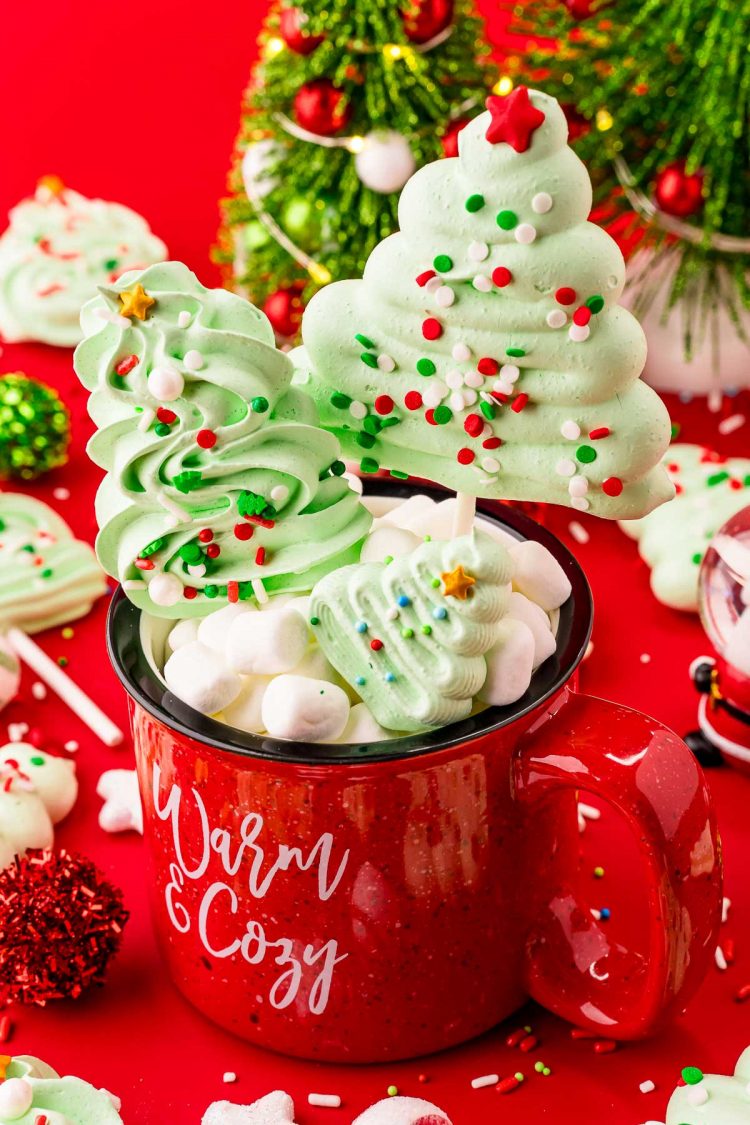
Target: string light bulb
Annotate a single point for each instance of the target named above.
(274, 46)
(393, 51)
(604, 120)
(319, 274)
(503, 85)
(355, 144)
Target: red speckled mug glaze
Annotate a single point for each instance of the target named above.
(389, 902)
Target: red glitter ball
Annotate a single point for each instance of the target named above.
(243, 531)
(518, 403)
(61, 923)
(213, 550)
(190, 592)
(413, 400)
(166, 416)
(465, 456)
(473, 425)
(582, 315)
(376, 645)
(599, 432)
(205, 535)
(612, 486)
(565, 296)
(492, 443)
(206, 439)
(432, 329)
(126, 364)
(430, 416)
(502, 276)
(384, 404)
(488, 366)
(425, 277)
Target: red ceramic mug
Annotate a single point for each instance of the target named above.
(357, 903)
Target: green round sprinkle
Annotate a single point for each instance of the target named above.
(259, 404)
(435, 583)
(692, 1075)
(370, 359)
(487, 409)
(110, 264)
(442, 263)
(546, 1072)
(315, 621)
(161, 429)
(62, 661)
(697, 558)
(366, 440)
(210, 591)
(338, 468)
(388, 560)
(426, 366)
(369, 465)
(443, 414)
(365, 341)
(372, 424)
(675, 428)
(407, 633)
(190, 553)
(474, 202)
(595, 303)
(519, 1076)
(37, 760)
(340, 400)
(392, 1091)
(518, 352)
(586, 454)
(507, 220)
(427, 629)
(539, 1067)
(746, 481)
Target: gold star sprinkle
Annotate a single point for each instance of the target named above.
(457, 583)
(135, 302)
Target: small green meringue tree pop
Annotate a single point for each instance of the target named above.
(220, 485)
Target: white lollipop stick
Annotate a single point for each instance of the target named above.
(466, 508)
(54, 677)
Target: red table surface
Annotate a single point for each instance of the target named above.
(140, 105)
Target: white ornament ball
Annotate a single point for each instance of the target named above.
(385, 161)
(165, 589)
(255, 162)
(166, 383)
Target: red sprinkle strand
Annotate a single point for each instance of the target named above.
(233, 591)
(605, 1046)
(165, 415)
(206, 439)
(473, 424)
(528, 1044)
(492, 443)
(126, 365)
(502, 276)
(144, 564)
(260, 521)
(413, 400)
(583, 1033)
(432, 329)
(565, 295)
(376, 645)
(582, 315)
(6, 1029)
(507, 1085)
(243, 531)
(742, 994)
(727, 947)
(515, 1037)
(384, 404)
(599, 432)
(519, 402)
(425, 277)
(465, 456)
(488, 366)
(260, 556)
(612, 486)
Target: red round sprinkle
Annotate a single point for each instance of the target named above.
(735, 484)
(206, 439)
(425, 277)
(612, 486)
(492, 443)
(473, 425)
(599, 432)
(165, 415)
(413, 400)
(430, 416)
(565, 295)
(126, 364)
(488, 366)
(260, 556)
(243, 531)
(190, 592)
(205, 535)
(384, 404)
(502, 276)
(432, 329)
(465, 456)
(582, 315)
(518, 403)
(213, 550)
(678, 489)
(376, 645)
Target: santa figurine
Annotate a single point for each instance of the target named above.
(724, 679)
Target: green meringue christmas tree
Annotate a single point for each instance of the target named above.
(220, 485)
(484, 347)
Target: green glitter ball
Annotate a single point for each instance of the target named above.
(34, 428)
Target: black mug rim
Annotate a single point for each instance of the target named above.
(574, 631)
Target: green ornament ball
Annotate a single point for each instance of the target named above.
(34, 428)
(302, 221)
(255, 235)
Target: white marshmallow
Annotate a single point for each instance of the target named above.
(214, 628)
(122, 810)
(509, 664)
(199, 678)
(305, 710)
(267, 643)
(245, 711)
(402, 1111)
(538, 575)
(737, 651)
(384, 541)
(404, 514)
(432, 519)
(183, 633)
(274, 1109)
(363, 727)
(495, 531)
(521, 609)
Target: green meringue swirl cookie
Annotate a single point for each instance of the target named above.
(410, 635)
(220, 484)
(484, 347)
(47, 577)
(32, 1090)
(58, 248)
(712, 1099)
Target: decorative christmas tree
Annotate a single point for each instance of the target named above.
(349, 97)
(484, 347)
(657, 90)
(220, 485)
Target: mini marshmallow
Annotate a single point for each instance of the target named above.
(183, 633)
(403, 1111)
(214, 628)
(363, 727)
(274, 1109)
(521, 609)
(495, 532)
(434, 519)
(404, 514)
(304, 710)
(538, 575)
(509, 664)
(384, 541)
(245, 711)
(122, 810)
(267, 643)
(198, 677)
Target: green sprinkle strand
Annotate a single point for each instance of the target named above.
(370, 359)
(365, 341)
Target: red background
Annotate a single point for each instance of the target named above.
(140, 104)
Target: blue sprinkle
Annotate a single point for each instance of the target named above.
(389, 677)
(403, 600)
(605, 913)
(360, 680)
(361, 626)
(440, 613)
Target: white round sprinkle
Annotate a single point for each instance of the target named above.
(358, 410)
(435, 393)
(193, 360)
(461, 353)
(197, 571)
(578, 486)
(444, 297)
(541, 203)
(469, 396)
(38, 690)
(456, 401)
(580, 503)
(557, 318)
(510, 371)
(491, 464)
(524, 233)
(454, 379)
(473, 379)
(71, 746)
(579, 332)
(328, 1101)
(166, 383)
(478, 251)
(386, 362)
(697, 1095)
(570, 430)
(184, 318)
(392, 613)
(433, 284)
(581, 535)
(565, 467)
(229, 1076)
(647, 1087)
(61, 493)
(279, 493)
(482, 283)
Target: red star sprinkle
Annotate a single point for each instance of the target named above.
(514, 119)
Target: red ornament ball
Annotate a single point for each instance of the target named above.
(60, 924)
(578, 126)
(284, 309)
(582, 9)
(678, 193)
(424, 19)
(320, 107)
(292, 25)
(449, 139)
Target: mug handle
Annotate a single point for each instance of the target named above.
(648, 775)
